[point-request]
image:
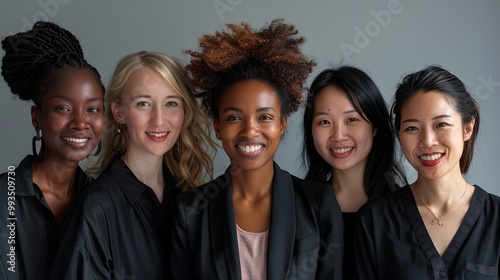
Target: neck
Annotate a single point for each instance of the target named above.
(349, 189)
(439, 192)
(55, 177)
(252, 184)
(351, 181)
(148, 170)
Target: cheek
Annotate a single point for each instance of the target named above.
(176, 119)
(98, 125)
(319, 138)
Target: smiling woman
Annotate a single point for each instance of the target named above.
(257, 221)
(46, 65)
(158, 144)
(440, 220)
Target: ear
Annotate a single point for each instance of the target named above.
(216, 127)
(468, 129)
(284, 123)
(35, 117)
(118, 114)
(375, 132)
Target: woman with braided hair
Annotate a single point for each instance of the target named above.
(46, 65)
(255, 221)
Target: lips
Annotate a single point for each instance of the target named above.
(250, 149)
(431, 160)
(341, 152)
(157, 136)
(76, 140)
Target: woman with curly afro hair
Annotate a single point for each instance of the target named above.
(256, 221)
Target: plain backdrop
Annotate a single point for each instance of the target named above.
(386, 38)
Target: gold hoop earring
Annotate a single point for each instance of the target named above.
(122, 140)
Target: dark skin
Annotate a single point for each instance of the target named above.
(72, 122)
(250, 127)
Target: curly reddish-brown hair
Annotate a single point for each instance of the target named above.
(270, 54)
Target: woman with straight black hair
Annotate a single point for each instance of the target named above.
(349, 143)
(440, 226)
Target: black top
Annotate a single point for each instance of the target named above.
(117, 229)
(305, 233)
(349, 229)
(29, 233)
(393, 242)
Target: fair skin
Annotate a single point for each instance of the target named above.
(152, 112)
(71, 118)
(343, 139)
(250, 127)
(432, 138)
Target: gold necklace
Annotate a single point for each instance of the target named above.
(437, 220)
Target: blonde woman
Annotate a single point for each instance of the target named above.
(157, 144)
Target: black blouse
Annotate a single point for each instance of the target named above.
(29, 234)
(117, 229)
(393, 243)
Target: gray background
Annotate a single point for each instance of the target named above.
(386, 38)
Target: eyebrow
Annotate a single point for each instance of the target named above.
(435, 118)
(64, 97)
(325, 113)
(240, 110)
(149, 96)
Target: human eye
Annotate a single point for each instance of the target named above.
(172, 104)
(233, 118)
(323, 122)
(142, 104)
(442, 124)
(351, 120)
(266, 117)
(411, 128)
(94, 109)
(62, 108)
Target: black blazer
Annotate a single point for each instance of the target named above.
(305, 234)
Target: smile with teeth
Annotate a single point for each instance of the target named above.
(76, 140)
(341, 150)
(157, 134)
(430, 157)
(250, 149)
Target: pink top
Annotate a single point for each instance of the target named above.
(252, 247)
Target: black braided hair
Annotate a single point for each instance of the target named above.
(30, 56)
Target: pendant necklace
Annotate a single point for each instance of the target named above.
(437, 220)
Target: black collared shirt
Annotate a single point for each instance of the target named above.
(29, 228)
(392, 241)
(117, 230)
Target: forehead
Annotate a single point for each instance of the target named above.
(147, 81)
(428, 104)
(331, 97)
(69, 76)
(72, 82)
(250, 93)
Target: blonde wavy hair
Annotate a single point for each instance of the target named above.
(190, 160)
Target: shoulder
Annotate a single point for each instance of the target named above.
(97, 195)
(207, 191)
(389, 202)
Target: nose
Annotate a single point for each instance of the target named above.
(79, 120)
(338, 133)
(250, 128)
(159, 116)
(428, 138)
